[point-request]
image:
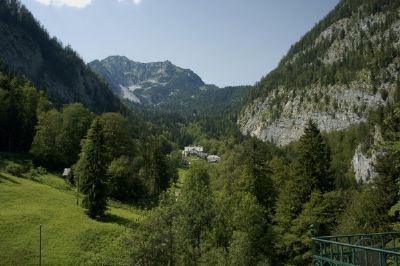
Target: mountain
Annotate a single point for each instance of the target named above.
(148, 83)
(26, 49)
(347, 65)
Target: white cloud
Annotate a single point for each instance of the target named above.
(70, 3)
(75, 3)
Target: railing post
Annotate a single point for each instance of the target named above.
(313, 247)
(341, 253)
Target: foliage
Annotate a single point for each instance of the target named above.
(19, 102)
(158, 171)
(76, 120)
(91, 171)
(58, 135)
(44, 145)
(15, 169)
(314, 155)
(306, 197)
(123, 181)
(373, 208)
(118, 140)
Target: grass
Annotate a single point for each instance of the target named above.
(69, 237)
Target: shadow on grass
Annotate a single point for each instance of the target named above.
(112, 218)
(4, 178)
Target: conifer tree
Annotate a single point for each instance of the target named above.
(195, 206)
(91, 171)
(314, 158)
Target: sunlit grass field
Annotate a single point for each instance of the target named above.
(69, 237)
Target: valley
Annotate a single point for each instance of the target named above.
(162, 168)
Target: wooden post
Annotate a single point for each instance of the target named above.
(40, 245)
(77, 192)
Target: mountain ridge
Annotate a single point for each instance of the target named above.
(27, 50)
(336, 74)
(148, 83)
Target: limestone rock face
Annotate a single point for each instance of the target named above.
(332, 108)
(363, 166)
(363, 162)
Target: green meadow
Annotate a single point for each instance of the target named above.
(69, 237)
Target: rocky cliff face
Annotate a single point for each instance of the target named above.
(363, 166)
(332, 108)
(363, 161)
(148, 83)
(344, 67)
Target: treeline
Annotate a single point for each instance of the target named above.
(135, 167)
(20, 104)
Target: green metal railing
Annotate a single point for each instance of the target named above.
(378, 249)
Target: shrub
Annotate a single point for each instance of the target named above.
(41, 170)
(15, 169)
(33, 173)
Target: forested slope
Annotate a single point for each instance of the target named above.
(343, 67)
(27, 49)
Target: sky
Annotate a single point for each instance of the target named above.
(226, 42)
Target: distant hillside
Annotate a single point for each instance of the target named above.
(345, 66)
(27, 49)
(148, 83)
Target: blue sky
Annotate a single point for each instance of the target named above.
(226, 42)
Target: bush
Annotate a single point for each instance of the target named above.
(15, 169)
(41, 170)
(33, 173)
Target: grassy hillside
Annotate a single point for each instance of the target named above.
(69, 236)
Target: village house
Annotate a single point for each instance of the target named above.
(213, 159)
(193, 150)
(66, 173)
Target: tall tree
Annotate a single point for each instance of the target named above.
(310, 172)
(44, 146)
(314, 158)
(195, 207)
(91, 171)
(123, 180)
(159, 170)
(76, 120)
(155, 240)
(118, 141)
(258, 174)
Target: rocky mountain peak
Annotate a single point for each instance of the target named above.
(148, 83)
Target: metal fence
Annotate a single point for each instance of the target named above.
(379, 249)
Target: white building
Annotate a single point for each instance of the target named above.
(193, 150)
(213, 159)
